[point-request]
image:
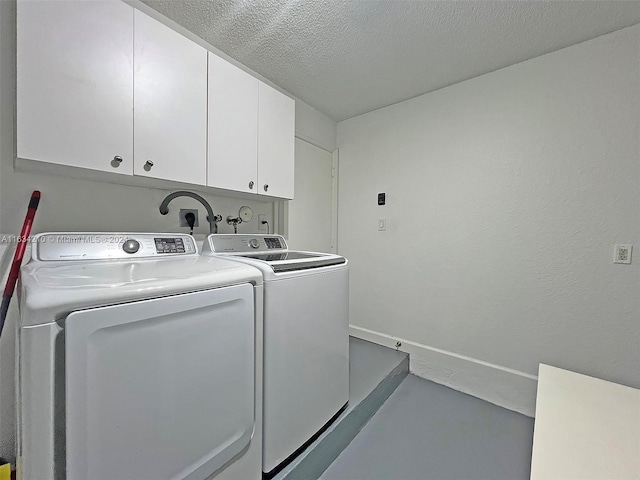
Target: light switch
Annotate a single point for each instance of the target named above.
(382, 224)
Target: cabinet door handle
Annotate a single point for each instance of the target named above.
(148, 165)
(251, 185)
(266, 187)
(117, 160)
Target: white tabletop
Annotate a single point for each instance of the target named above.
(585, 428)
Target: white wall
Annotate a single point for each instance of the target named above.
(315, 127)
(70, 204)
(505, 196)
(7, 350)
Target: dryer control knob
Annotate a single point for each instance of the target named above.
(131, 246)
(254, 243)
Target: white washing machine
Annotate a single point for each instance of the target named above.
(306, 339)
(138, 359)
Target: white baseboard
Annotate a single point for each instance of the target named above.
(511, 389)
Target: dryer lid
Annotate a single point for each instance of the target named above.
(50, 289)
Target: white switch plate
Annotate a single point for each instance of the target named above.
(622, 253)
(262, 226)
(382, 224)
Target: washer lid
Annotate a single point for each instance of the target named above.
(281, 256)
(293, 261)
(267, 252)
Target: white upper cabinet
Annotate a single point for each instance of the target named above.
(276, 131)
(105, 87)
(170, 104)
(233, 127)
(251, 133)
(75, 84)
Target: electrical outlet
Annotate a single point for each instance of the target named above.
(183, 212)
(262, 226)
(622, 253)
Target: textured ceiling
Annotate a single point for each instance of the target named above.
(347, 57)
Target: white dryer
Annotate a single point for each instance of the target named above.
(306, 339)
(138, 358)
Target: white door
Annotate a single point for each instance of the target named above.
(276, 133)
(233, 127)
(75, 84)
(160, 389)
(311, 213)
(170, 96)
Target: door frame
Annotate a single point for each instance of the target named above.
(281, 208)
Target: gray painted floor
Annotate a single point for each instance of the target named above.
(371, 366)
(428, 431)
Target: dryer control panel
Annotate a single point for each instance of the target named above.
(96, 246)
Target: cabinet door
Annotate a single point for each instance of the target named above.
(170, 98)
(75, 84)
(233, 127)
(276, 131)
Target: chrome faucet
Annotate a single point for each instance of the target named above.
(211, 217)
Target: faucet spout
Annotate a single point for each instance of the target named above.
(211, 217)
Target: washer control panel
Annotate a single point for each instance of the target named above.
(97, 246)
(244, 243)
(272, 242)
